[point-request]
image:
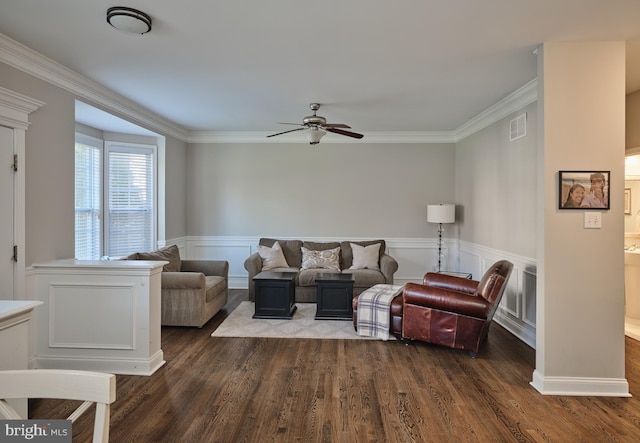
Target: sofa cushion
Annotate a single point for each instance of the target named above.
(324, 259)
(216, 287)
(321, 246)
(347, 252)
(170, 254)
(290, 249)
(272, 257)
(307, 277)
(365, 257)
(365, 278)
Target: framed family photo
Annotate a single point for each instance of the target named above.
(583, 190)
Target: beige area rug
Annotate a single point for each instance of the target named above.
(303, 325)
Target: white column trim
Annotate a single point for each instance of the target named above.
(580, 386)
(14, 113)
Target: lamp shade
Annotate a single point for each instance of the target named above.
(442, 213)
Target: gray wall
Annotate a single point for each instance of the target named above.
(49, 168)
(496, 187)
(175, 190)
(327, 190)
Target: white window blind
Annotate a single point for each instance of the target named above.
(130, 199)
(115, 190)
(87, 199)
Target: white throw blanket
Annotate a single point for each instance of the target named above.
(374, 310)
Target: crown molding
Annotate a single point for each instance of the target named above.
(515, 101)
(25, 59)
(15, 109)
(369, 137)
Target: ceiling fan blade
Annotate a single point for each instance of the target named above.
(342, 132)
(336, 125)
(297, 124)
(285, 132)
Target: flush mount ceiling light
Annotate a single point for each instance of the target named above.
(129, 20)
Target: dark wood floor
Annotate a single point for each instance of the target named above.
(304, 390)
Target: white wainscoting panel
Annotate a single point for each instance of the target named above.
(68, 307)
(517, 310)
(416, 257)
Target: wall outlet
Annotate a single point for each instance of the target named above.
(592, 220)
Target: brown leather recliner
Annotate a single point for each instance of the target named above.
(453, 311)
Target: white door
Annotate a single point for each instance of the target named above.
(7, 210)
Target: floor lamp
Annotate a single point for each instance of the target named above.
(442, 213)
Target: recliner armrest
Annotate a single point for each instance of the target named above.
(182, 280)
(207, 267)
(445, 300)
(450, 282)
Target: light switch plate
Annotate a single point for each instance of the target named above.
(592, 220)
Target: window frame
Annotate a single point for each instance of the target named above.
(106, 147)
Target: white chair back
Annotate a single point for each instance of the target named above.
(89, 387)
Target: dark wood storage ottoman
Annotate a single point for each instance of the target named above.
(334, 296)
(275, 295)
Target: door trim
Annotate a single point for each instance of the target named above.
(14, 114)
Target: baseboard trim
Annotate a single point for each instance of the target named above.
(580, 386)
(526, 335)
(126, 366)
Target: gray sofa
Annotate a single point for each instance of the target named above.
(193, 291)
(305, 285)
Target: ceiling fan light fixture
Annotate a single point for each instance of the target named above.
(317, 126)
(315, 135)
(129, 20)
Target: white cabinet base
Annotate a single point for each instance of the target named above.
(98, 315)
(129, 366)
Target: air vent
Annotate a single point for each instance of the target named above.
(518, 127)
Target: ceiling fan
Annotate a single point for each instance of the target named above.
(317, 126)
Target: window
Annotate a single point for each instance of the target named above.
(88, 200)
(119, 177)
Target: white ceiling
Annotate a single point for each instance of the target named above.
(377, 65)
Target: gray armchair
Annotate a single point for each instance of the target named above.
(193, 291)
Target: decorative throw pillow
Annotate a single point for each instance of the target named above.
(170, 254)
(365, 257)
(327, 259)
(272, 257)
